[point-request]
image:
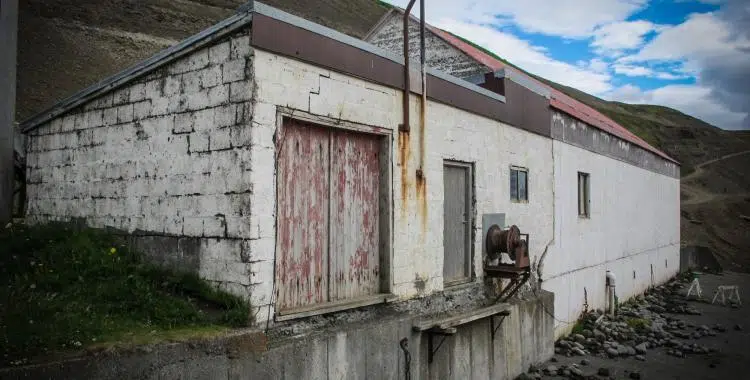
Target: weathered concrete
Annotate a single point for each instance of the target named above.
(577, 133)
(187, 158)
(165, 158)
(362, 350)
(450, 134)
(439, 55)
(633, 230)
(9, 32)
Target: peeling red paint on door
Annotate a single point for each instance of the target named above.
(302, 237)
(328, 215)
(354, 214)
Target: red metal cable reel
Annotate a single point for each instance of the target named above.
(506, 241)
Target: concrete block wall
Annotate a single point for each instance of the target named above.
(168, 156)
(633, 230)
(287, 85)
(635, 197)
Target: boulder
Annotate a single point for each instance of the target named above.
(641, 348)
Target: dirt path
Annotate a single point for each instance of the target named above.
(699, 168)
(696, 195)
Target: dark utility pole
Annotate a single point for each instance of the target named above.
(8, 49)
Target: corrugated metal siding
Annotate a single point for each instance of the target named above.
(303, 194)
(328, 215)
(457, 222)
(355, 172)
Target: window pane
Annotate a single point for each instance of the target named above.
(586, 194)
(522, 185)
(581, 195)
(513, 184)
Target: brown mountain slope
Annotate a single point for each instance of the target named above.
(66, 45)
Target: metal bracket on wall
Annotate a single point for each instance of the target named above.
(493, 327)
(515, 284)
(442, 327)
(431, 334)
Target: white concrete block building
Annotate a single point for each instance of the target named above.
(615, 197)
(272, 156)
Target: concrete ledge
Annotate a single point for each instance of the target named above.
(355, 348)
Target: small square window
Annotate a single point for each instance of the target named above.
(519, 181)
(583, 195)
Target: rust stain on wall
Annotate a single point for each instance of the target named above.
(404, 150)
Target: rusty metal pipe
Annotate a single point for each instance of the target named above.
(405, 125)
(422, 121)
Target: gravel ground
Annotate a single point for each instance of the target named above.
(660, 336)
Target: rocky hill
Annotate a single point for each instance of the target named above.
(66, 45)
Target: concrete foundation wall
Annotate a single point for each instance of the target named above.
(167, 156)
(367, 350)
(633, 230)
(291, 86)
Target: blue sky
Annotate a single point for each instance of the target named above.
(692, 55)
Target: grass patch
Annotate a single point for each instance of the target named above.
(638, 323)
(64, 287)
(579, 327)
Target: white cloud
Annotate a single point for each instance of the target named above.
(643, 71)
(531, 58)
(632, 71)
(669, 76)
(598, 65)
(713, 47)
(566, 18)
(702, 36)
(611, 39)
(693, 100)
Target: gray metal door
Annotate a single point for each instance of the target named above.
(457, 221)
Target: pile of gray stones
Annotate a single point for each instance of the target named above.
(644, 323)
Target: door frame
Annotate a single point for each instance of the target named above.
(470, 199)
(385, 222)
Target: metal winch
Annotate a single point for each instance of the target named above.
(499, 241)
(510, 241)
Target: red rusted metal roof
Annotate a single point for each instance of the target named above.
(559, 100)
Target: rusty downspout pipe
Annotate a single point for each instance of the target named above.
(405, 125)
(422, 121)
